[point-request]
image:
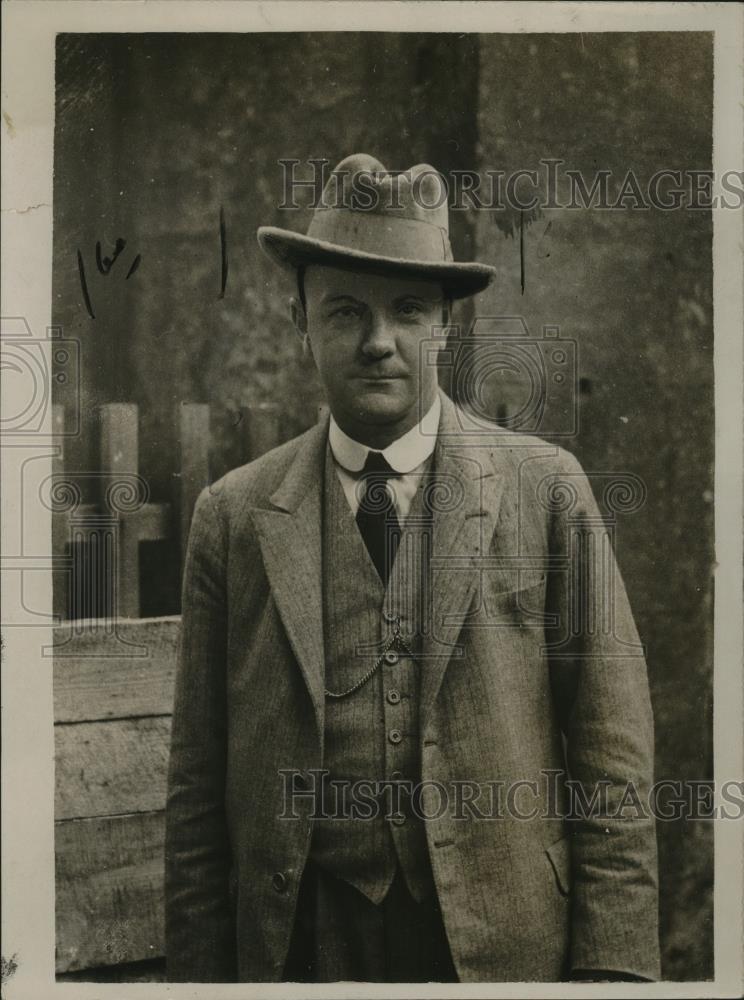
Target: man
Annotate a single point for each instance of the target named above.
(388, 623)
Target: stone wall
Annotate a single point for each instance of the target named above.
(633, 290)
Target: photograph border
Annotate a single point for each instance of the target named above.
(28, 748)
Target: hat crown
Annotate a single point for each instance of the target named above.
(360, 183)
(370, 218)
(367, 207)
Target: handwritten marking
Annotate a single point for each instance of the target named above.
(104, 265)
(133, 268)
(84, 285)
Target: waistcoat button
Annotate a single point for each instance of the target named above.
(391, 657)
(389, 616)
(393, 696)
(395, 735)
(279, 881)
(398, 819)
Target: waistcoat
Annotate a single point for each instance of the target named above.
(371, 733)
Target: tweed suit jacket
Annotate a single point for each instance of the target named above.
(532, 678)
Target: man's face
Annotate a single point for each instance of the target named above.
(365, 332)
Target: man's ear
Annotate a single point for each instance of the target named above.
(297, 314)
(299, 321)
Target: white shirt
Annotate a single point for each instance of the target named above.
(406, 456)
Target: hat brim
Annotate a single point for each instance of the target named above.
(293, 250)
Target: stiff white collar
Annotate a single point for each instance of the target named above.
(403, 455)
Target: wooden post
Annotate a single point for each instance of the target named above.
(138, 521)
(120, 456)
(262, 428)
(194, 472)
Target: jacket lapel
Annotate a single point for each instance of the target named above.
(466, 510)
(465, 516)
(290, 538)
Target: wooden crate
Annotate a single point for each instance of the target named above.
(113, 695)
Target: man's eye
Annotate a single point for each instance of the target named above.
(346, 312)
(409, 309)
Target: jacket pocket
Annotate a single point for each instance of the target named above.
(559, 856)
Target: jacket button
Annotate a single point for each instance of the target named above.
(395, 735)
(279, 881)
(393, 696)
(391, 657)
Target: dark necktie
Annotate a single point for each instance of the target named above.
(376, 516)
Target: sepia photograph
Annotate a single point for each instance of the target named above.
(377, 428)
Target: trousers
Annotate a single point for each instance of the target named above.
(340, 935)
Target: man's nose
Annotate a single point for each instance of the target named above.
(379, 338)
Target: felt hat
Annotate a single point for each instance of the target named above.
(369, 219)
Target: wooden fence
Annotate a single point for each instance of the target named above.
(113, 696)
(100, 519)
